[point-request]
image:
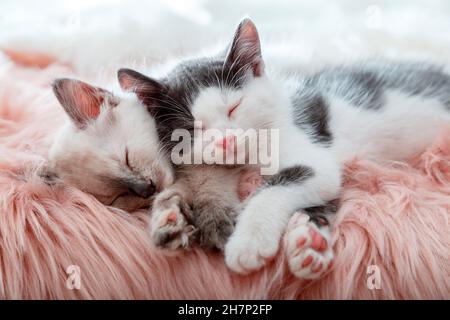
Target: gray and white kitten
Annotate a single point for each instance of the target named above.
(201, 206)
(383, 112)
(108, 146)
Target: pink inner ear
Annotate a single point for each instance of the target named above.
(89, 100)
(126, 82)
(80, 100)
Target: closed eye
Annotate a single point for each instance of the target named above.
(127, 160)
(234, 107)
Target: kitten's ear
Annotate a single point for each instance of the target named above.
(148, 90)
(81, 101)
(245, 49)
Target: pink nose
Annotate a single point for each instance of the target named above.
(228, 142)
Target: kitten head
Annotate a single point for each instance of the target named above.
(227, 91)
(109, 148)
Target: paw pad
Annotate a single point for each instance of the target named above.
(307, 261)
(308, 251)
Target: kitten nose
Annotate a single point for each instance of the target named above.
(228, 142)
(142, 189)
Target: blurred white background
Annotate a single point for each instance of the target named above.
(91, 33)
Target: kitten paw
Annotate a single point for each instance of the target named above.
(244, 253)
(309, 253)
(170, 229)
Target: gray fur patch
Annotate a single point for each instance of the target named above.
(292, 175)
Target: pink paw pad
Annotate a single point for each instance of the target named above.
(318, 243)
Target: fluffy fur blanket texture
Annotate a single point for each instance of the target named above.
(393, 217)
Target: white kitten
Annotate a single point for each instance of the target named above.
(109, 147)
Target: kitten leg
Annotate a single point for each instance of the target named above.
(308, 246)
(264, 219)
(215, 221)
(170, 226)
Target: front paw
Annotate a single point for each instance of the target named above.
(249, 252)
(170, 229)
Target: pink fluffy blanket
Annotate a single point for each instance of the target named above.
(393, 223)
